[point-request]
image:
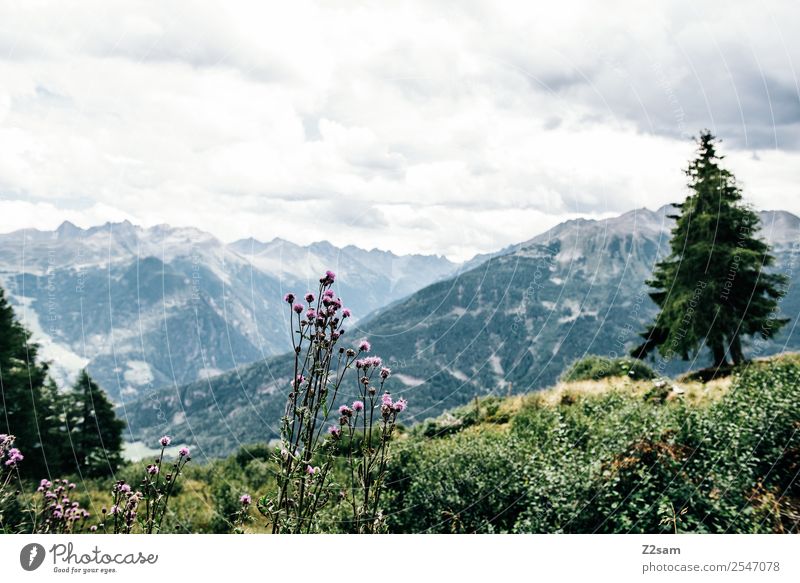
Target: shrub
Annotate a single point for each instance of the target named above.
(593, 368)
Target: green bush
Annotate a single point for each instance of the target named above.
(594, 368)
(615, 463)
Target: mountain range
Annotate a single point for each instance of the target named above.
(163, 306)
(507, 322)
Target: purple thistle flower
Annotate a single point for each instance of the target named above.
(289, 298)
(328, 278)
(298, 308)
(14, 456)
(364, 346)
(346, 313)
(400, 405)
(311, 314)
(165, 441)
(386, 399)
(125, 488)
(311, 471)
(358, 406)
(328, 293)
(45, 483)
(183, 452)
(345, 410)
(309, 297)
(93, 528)
(334, 431)
(385, 372)
(245, 499)
(152, 470)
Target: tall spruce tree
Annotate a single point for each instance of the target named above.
(95, 431)
(27, 403)
(713, 288)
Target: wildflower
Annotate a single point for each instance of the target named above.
(152, 470)
(364, 346)
(165, 441)
(14, 456)
(124, 488)
(71, 485)
(309, 297)
(400, 405)
(385, 372)
(346, 313)
(334, 431)
(358, 406)
(328, 293)
(328, 278)
(114, 509)
(93, 528)
(311, 471)
(183, 452)
(298, 308)
(345, 410)
(289, 298)
(386, 400)
(374, 361)
(311, 314)
(245, 499)
(45, 483)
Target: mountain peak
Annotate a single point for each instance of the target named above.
(68, 229)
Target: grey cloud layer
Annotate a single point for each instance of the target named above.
(384, 122)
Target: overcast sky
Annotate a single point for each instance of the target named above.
(434, 127)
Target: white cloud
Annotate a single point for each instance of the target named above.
(419, 127)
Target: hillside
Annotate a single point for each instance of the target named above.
(511, 324)
(612, 455)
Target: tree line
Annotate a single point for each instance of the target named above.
(74, 431)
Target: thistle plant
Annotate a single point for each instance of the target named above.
(56, 512)
(10, 456)
(243, 514)
(376, 419)
(307, 451)
(147, 506)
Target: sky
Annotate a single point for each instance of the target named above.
(450, 128)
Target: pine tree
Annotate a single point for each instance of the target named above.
(95, 431)
(713, 288)
(26, 406)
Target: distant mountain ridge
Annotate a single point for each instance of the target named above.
(150, 307)
(510, 324)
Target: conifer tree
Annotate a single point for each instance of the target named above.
(26, 406)
(715, 286)
(96, 433)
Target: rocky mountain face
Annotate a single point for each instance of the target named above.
(148, 308)
(510, 324)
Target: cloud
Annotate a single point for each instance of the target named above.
(419, 127)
